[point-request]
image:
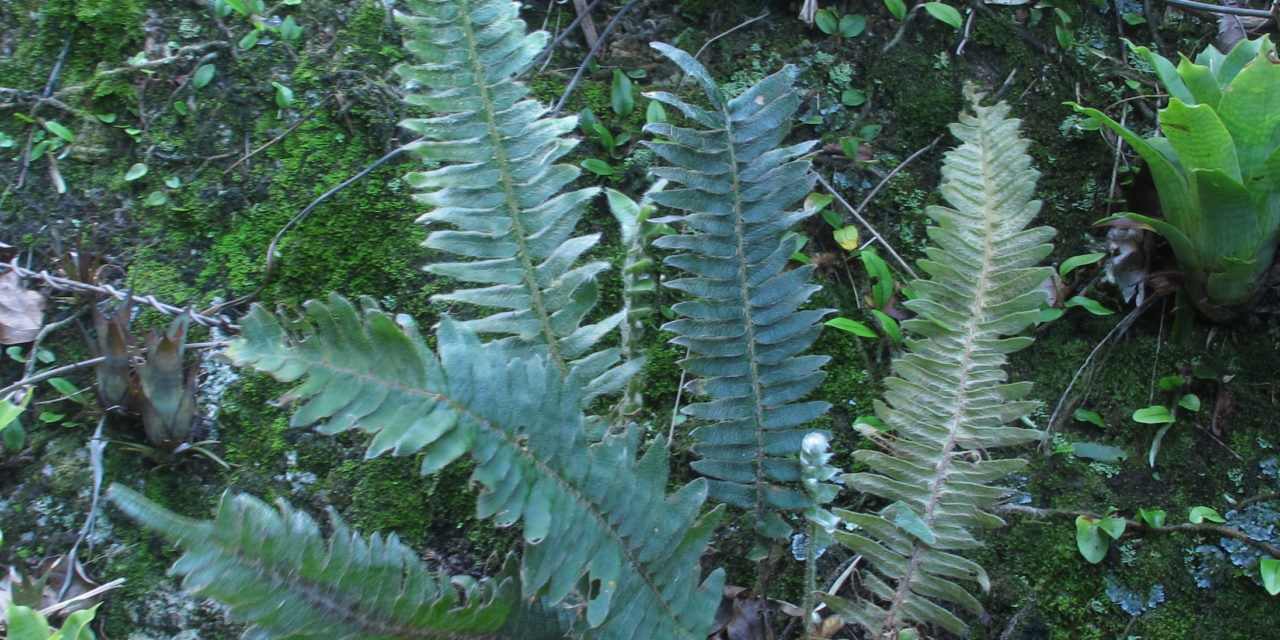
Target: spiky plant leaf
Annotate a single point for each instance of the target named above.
(949, 400)
(275, 571)
(742, 321)
(499, 189)
(590, 510)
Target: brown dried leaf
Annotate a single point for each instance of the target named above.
(741, 616)
(21, 310)
(116, 383)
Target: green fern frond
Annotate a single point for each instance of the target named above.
(274, 569)
(742, 323)
(948, 401)
(589, 510)
(500, 189)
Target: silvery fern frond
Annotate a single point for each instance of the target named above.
(274, 570)
(499, 188)
(741, 322)
(590, 511)
(949, 402)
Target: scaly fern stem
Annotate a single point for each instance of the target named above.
(519, 234)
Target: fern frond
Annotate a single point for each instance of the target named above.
(948, 401)
(274, 569)
(589, 510)
(742, 321)
(499, 187)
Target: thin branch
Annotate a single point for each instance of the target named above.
(278, 138)
(857, 213)
(50, 373)
(560, 38)
(66, 284)
(573, 82)
(1217, 8)
(708, 42)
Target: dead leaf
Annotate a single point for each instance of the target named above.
(741, 616)
(21, 310)
(1222, 407)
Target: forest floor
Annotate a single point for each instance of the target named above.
(193, 139)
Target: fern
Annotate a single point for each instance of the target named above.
(743, 324)
(948, 399)
(274, 569)
(501, 190)
(588, 510)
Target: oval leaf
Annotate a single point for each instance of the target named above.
(136, 171)
(1200, 514)
(620, 97)
(1270, 569)
(1075, 262)
(1089, 540)
(1153, 517)
(944, 12)
(598, 167)
(203, 76)
(847, 237)
(1154, 414)
(60, 131)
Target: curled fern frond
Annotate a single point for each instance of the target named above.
(499, 188)
(274, 570)
(742, 323)
(948, 401)
(590, 510)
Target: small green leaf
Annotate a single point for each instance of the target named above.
(107, 117)
(1169, 383)
(908, 520)
(620, 97)
(1086, 415)
(239, 7)
(889, 325)
(897, 8)
(1089, 540)
(814, 119)
(853, 97)
(44, 355)
(290, 29)
(945, 12)
(156, 199)
(826, 21)
(1074, 262)
(221, 8)
(1154, 414)
(1066, 39)
(180, 107)
(1190, 402)
(1200, 514)
(850, 147)
(284, 95)
(203, 76)
(852, 326)
(173, 182)
(598, 167)
(1270, 570)
(59, 130)
(847, 237)
(852, 25)
(1100, 452)
(870, 131)
(1048, 314)
(15, 352)
(831, 217)
(655, 112)
(1135, 19)
(882, 285)
(1112, 526)
(1153, 517)
(1088, 304)
(136, 171)
(818, 202)
(250, 40)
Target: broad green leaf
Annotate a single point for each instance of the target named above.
(290, 29)
(852, 97)
(1169, 383)
(284, 95)
(1099, 452)
(1153, 517)
(1269, 568)
(1190, 402)
(136, 171)
(945, 12)
(1154, 414)
(620, 97)
(1112, 526)
(203, 75)
(25, 623)
(897, 8)
(1089, 539)
(826, 21)
(1200, 514)
(1199, 138)
(598, 167)
(852, 25)
(655, 112)
(889, 325)
(1088, 304)
(59, 130)
(1087, 415)
(250, 40)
